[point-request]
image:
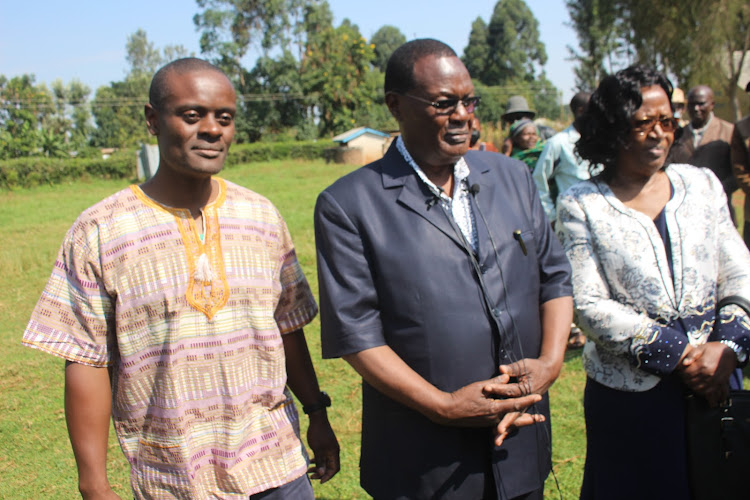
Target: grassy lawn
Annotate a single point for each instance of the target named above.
(35, 457)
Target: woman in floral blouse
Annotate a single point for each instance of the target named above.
(653, 252)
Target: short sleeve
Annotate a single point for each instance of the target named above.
(74, 317)
(296, 306)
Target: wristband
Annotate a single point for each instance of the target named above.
(324, 401)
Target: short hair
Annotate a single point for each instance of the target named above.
(158, 90)
(399, 72)
(580, 100)
(606, 123)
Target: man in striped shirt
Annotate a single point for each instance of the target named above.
(179, 306)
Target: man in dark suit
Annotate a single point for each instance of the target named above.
(443, 285)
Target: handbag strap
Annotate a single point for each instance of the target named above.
(737, 300)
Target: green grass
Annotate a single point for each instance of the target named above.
(35, 457)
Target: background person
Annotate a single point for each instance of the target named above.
(740, 154)
(476, 133)
(558, 168)
(516, 109)
(705, 141)
(440, 278)
(187, 290)
(653, 251)
(678, 103)
(526, 143)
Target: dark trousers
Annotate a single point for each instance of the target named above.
(300, 489)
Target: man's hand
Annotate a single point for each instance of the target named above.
(512, 421)
(706, 369)
(534, 376)
(486, 403)
(324, 446)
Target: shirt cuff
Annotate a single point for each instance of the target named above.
(661, 354)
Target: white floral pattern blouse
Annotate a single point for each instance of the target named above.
(627, 301)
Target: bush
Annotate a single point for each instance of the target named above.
(266, 151)
(33, 171)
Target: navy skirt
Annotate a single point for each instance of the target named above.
(635, 443)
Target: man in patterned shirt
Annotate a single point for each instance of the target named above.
(179, 306)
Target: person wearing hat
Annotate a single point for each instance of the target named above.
(527, 146)
(678, 103)
(516, 109)
(740, 154)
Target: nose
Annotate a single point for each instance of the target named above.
(210, 126)
(460, 113)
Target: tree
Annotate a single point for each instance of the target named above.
(598, 26)
(477, 52)
(385, 41)
(229, 27)
(336, 68)
(118, 112)
(72, 115)
(142, 56)
(24, 106)
(118, 108)
(511, 49)
(505, 58)
(694, 42)
(277, 101)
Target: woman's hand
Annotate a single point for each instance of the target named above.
(706, 370)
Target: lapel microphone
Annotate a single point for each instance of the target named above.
(435, 199)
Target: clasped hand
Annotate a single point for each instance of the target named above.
(494, 402)
(706, 369)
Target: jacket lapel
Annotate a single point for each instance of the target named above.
(414, 195)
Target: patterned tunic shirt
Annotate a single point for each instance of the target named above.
(193, 333)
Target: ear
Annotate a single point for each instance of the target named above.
(152, 119)
(393, 101)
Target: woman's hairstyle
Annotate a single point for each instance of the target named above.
(605, 125)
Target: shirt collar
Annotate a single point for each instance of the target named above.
(460, 171)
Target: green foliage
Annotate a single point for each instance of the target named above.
(34, 171)
(385, 41)
(118, 108)
(599, 28)
(277, 101)
(24, 107)
(118, 112)
(477, 52)
(229, 27)
(509, 49)
(267, 151)
(696, 42)
(336, 67)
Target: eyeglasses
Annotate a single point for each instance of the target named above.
(643, 127)
(448, 106)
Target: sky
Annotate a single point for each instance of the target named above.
(85, 39)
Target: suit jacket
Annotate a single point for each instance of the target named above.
(394, 270)
(712, 152)
(740, 148)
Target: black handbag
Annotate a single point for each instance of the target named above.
(718, 441)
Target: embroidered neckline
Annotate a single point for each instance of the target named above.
(207, 288)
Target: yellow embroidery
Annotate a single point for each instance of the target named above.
(207, 289)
